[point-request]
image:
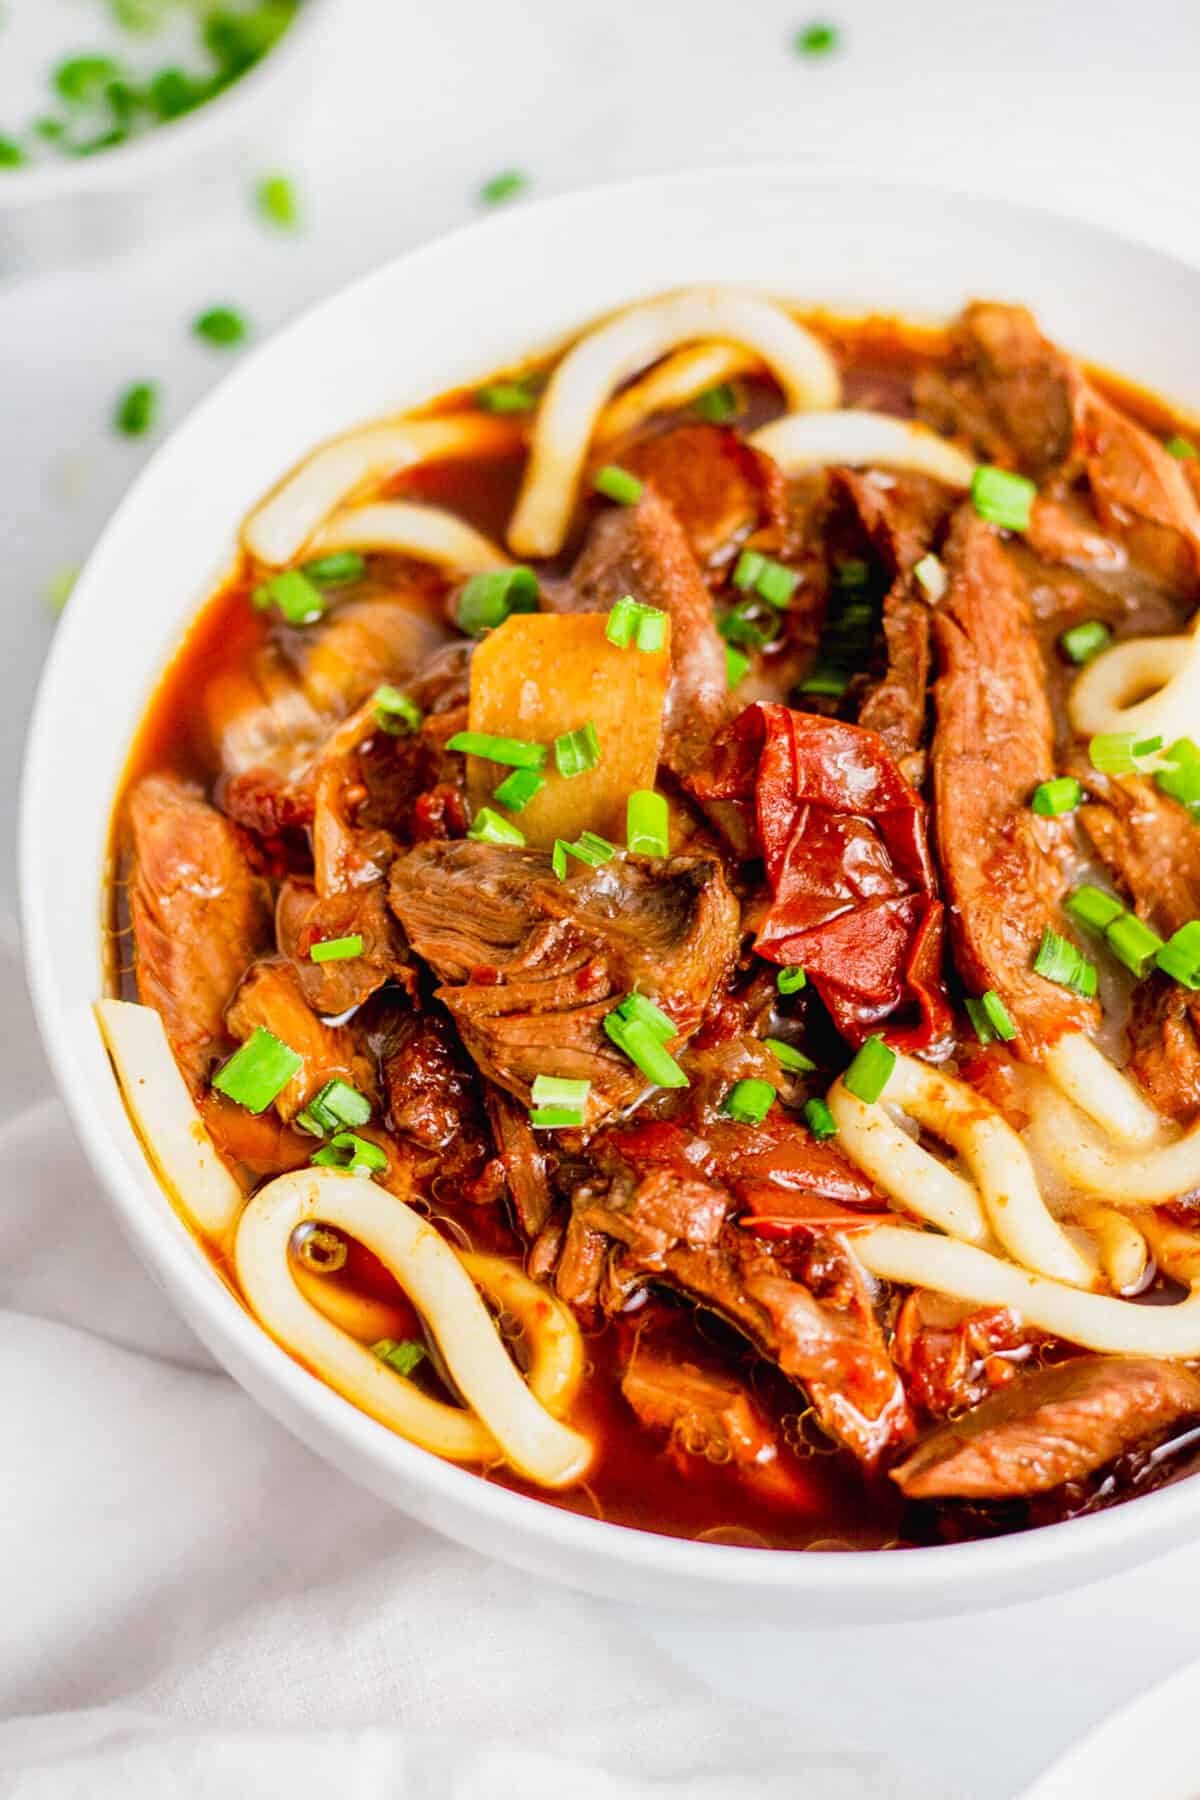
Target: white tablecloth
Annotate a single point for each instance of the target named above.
(189, 1603)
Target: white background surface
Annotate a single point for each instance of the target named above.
(1089, 109)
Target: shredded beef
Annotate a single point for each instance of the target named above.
(718, 486)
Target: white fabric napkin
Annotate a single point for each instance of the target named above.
(192, 1604)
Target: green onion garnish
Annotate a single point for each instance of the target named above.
(749, 566)
(1062, 795)
(505, 186)
(819, 1119)
(1093, 907)
(1112, 752)
(749, 1102)
(1133, 943)
(358, 1156)
(643, 1046)
(1181, 780)
(337, 949)
(518, 395)
(822, 679)
(1059, 961)
(622, 622)
(300, 602)
(788, 1058)
(736, 665)
(1083, 641)
(589, 848)
(220, 325)
(575, 752)
(558, 859)
(772, 581)
(333, 1108)
(790, 981)
(617, 484)
(395, 712)
(277, 203)
(490, 828)
(645, 1012)
(852, 572)
(718, 405)
(647, 823)
(998, 1016)
(339, 569)
(559, 1090)
(518, 753)
(488, 598)
(518, 789)
(870, 1071)
(1180, 955)
(554, 1118)
(745, 624)
(651, 629)
(1002, 498)
(137, 409)
(258, 1072)
(11, 154)
(816, 40)
(979, 1019)
(931, 576)
(1181, 447)
(401, 1354)
(82, 79)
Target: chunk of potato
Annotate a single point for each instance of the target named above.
(542, 674)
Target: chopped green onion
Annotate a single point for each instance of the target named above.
(518, 395)
(401, 1354)
(488, 598)
(1181, 447)
(490, 828)
(337, 949)
(931, 576)
(277, 202)
(622, 622)
(258, 1072)
(651, 629)
(1087, 981)
(1002, 498)
(558, 859)
(791, 980)
(338, 569)
(870, 1071)
(518, 753)
(358, 1156)
(617, 484)
(589, 848)
(575, 752)
(718, 405)
(335, 1106)
(816, 40)
(647, 823)
(1058, 960)
(559, 1090)
(645, 1012)
(776, 584)
(172, 92)
(736, 665)
(821, 679)
(553, 1118)
(395, 712)
(977, 1014)
(137, 409)
(82, 79)
(740, 626)
(1181, 780)
(998, 1016)
(1147, 746)
(1093, 907)
(1062, 795)
(220, 325)
(1133, 943)
(518, 789)
(643, 1047)
(300, 602)
(789, 1058)
(852, 572)
(819, 1119)
(1180, 955)
(505, 186)
(1112, 753)
(749, 1102)
(1083, 641)
(749, 566)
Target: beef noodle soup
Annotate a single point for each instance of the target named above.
(655, 927)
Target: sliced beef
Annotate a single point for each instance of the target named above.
(270, 996)
(532, 965)
(951, 1356)
(706, 1414)
(433, 1101)
(200, 917)
(1152, 847)
(643, 550)
(1003, 867)
(523, 1159)
(303, 918)
(718, 486)
(1048, 1427)
(1031, 388)
(1142, 495)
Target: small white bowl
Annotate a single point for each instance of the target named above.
(440, 318)
(71, 209)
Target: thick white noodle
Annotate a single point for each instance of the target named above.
(1124, 1177)
(594, 367)
(908, 1174)
(1086, 1076)
(433, 1276)
(807, 440)
(1148, 685)
(673, 382)
(427, 532)
(999, 1162)
(278, 530)
(1124, 1252)
(173, 1134)
(551, 1330)
(1094, 1321)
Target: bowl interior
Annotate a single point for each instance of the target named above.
(442, 317)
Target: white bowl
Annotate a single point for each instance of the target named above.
(69, 209)
(440, 318)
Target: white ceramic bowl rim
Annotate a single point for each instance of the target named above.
(984, 1569)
